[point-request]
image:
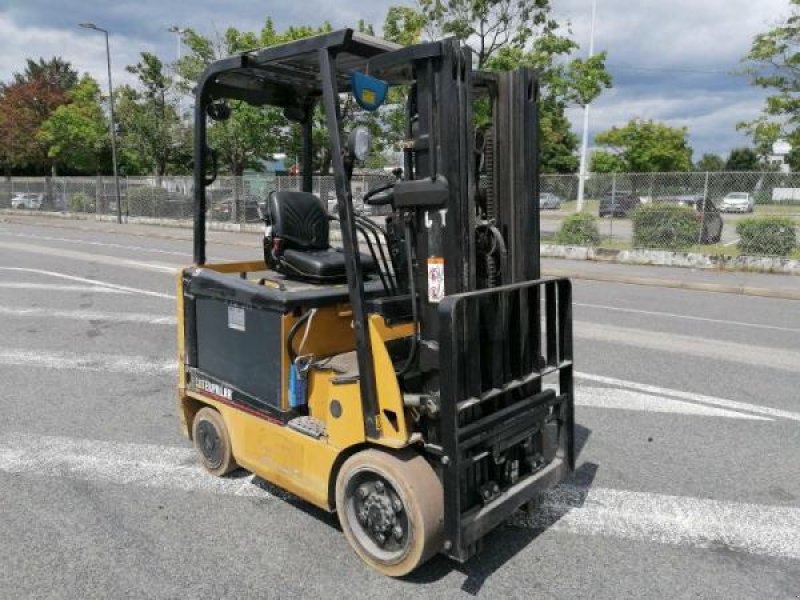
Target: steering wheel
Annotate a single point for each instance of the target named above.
(381, 195)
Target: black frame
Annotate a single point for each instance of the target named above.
(297, 75)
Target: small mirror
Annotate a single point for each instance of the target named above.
(219, 110)
(358, 143)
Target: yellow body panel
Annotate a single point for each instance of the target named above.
(289, 459)
(294, 461)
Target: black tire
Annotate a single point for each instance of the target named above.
(213, 443)
(391, 508)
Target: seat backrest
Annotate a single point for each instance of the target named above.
(300, 219)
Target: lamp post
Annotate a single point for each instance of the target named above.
(112, 124)
(585, 140)
(178, 31)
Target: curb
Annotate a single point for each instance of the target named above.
(74, 224)
(671, 258)
(720, 288)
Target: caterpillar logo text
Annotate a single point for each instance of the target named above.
(214, 388)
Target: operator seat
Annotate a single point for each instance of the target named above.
(297, 240)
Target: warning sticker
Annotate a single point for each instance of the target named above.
(435, 279)
(236, 317)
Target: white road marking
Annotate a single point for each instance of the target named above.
(674, 520)
(691, 397)
(84, 242)
(645, 398)
(85, 362)
(748, 354)
(614, 398)
(654, 313)
(89, 315)
(57, 287)
(90, 257)
(94, 282)
(656, 518)
(145, 465)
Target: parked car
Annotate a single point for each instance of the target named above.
(549, 200)
(738, 202)
(223, 210)
(27, 201)
(619, 203)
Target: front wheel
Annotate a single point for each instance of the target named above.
(391, 508)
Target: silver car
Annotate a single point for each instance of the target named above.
(738, 202)
(29, 201)
(549, 200)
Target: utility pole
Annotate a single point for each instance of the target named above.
(585, 140)
(112, 130)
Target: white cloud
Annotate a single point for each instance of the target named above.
(83, 48)
(676, 34)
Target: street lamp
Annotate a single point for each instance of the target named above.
(585, 140)
(111, 126)
(179, 32)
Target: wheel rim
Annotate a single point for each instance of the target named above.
(209, 443)
(377, 516)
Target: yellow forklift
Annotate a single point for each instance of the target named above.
(416, 380)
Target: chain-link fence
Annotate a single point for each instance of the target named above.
(712, 213)
(229, 199)
(748, 213)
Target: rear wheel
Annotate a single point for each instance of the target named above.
(212, 442)
(391, 509)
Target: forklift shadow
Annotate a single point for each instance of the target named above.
(507, 541)
(278, 493)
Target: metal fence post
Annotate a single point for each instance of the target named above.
(613, 205)
(704, 211)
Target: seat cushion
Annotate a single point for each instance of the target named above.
(321, 265)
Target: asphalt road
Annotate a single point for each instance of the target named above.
(688, 482)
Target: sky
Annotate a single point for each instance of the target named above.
(672, 60)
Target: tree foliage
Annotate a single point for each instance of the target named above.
(25, 104)
(76, 133)
(710, 162)
(508, 34)
(773, 63)
(56, 71)
(647, 146)
(152, 135)
(603, 161)
(251, 133)
(742, 159)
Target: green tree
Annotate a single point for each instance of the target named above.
(710, 162)
(403, 25)
(24, 106)
(507, 34)
(148, 117)
(742, 159)
(773, 63)
(77, 133)
(251, 133)
(607, 162)
(648, 146)
(56, 71)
